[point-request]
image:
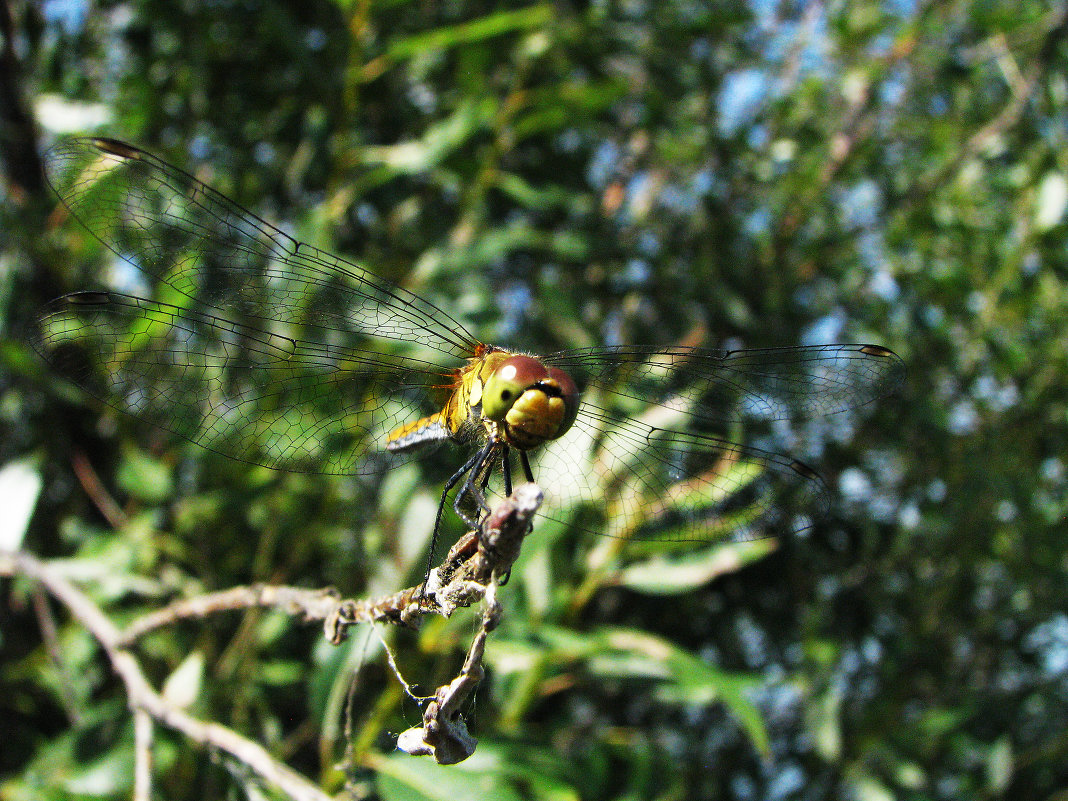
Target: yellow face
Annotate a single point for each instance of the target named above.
(531, 403)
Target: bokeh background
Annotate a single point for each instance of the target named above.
(569, 174)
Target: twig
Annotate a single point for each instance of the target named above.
(459, 581)
(470, 572)
(142, 697)
(49, 633)
(1022, 86)
(444, 734)
(853, 128)
(94, 488)
(312, 604)
(144, 733)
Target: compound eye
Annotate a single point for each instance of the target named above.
(569, 394)
(510, 380)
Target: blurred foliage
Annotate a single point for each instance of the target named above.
(569, 174)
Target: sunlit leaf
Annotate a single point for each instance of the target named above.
(20, 484)
(664, 575)
(183, 687)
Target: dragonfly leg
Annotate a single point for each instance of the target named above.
(479, 492)
(527, 472)
(478, 477)
(452, 482)
(506, 470)
(529, 475)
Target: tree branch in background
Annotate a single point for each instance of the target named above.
(1022, 86)
(140, 694)
(444, 734)
(470, 572)
(18, 132)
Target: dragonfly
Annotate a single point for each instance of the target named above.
(237, 337)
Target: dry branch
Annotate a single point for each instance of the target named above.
(141, 697)
(470, 572)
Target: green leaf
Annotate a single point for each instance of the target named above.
(634, 655)
(999, 765)
(183, 686)
(492, 772)
(682, 677)
(465, 33)
(87, 760)
(824, 725)
(436, 144)
(868, 788)
(1051, 202)
(148, 479)
(664, 575)
(20, 485)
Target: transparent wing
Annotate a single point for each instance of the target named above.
(657, 450)
(270, 351)
(234, 388)
(727, 386)
(256, 345)
(208, 248)
(662, 482)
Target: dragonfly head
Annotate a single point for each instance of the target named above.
(530, 402)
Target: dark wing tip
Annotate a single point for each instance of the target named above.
(879, 351)
(805, 471)
(87, 298)
(113, 147)
(893, 368)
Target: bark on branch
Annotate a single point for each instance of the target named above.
(471, 572)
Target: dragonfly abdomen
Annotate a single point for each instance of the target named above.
(412, 435)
